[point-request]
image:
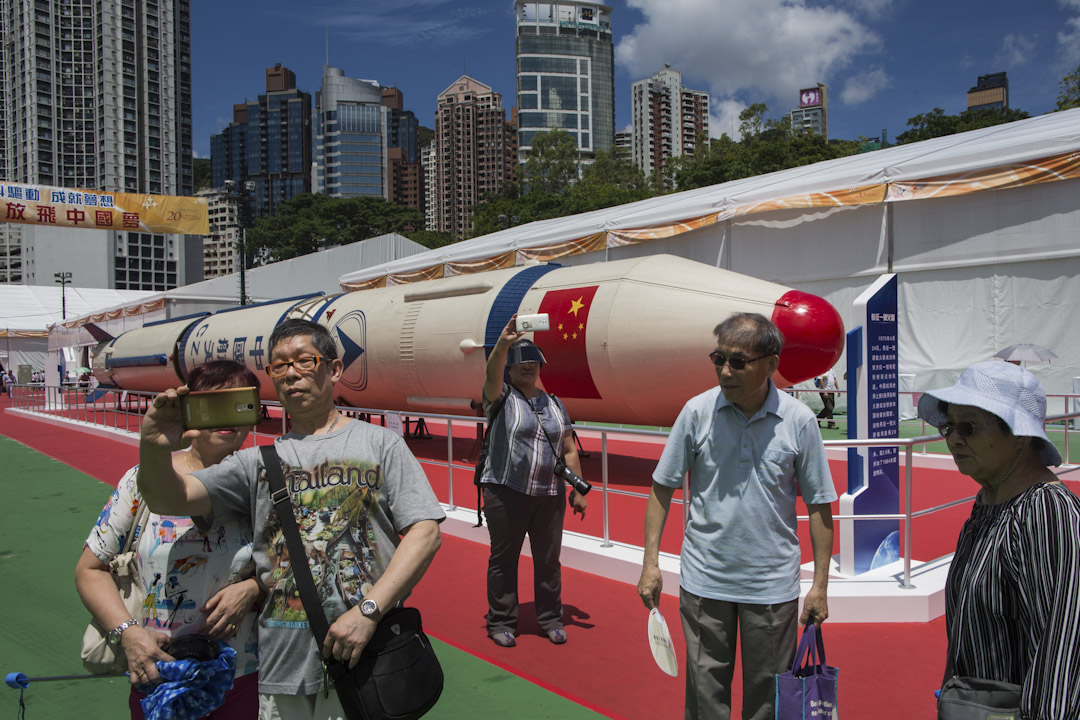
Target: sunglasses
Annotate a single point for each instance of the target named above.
(736, 363)
(966, 429)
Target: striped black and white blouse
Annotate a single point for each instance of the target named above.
(1012, 603)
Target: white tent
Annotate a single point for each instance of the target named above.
(313, 273)
(982, 227)
(27, 311)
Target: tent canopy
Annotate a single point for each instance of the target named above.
(1023, 153)
(29, 310)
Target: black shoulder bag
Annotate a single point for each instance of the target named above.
(478, 472)
(398, 676)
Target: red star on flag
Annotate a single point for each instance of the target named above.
(567, 371)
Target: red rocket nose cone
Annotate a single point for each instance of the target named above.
(813, 336)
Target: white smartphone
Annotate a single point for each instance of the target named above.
(533, 323)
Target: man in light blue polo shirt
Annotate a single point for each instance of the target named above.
(748, 448)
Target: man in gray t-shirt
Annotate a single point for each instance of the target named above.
(367, 516)
(749, 449)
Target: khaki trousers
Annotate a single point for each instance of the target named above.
(711, 629)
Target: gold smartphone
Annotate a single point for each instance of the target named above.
(227, 408)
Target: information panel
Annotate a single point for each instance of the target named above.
(873, 473)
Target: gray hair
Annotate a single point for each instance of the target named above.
(750, 330)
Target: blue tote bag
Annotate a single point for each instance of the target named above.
(808, 690)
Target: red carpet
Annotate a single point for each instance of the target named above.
(887, 671)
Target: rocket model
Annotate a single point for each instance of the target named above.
(628, 340)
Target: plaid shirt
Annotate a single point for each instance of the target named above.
(519, 455)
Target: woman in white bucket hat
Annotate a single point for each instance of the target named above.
(1012, 598)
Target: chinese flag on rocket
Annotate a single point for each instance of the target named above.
(567, 373)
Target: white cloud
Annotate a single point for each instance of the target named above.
(860, 88)
(420, 23)
(1015, 50)
(724, 118)
(758, 50)
(1069, 43)
(869, 8)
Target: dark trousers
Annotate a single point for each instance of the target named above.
(510, 516)
(829, 400)
(712, 628)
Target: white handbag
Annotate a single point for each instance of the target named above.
(98, 656)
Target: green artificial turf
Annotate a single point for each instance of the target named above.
(50, 510)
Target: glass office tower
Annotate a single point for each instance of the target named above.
(350, 126)
(565, 73)
(266, 147)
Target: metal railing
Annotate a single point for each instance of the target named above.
(64, 403)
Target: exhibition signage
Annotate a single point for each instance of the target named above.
(93, 210)
(873, 412)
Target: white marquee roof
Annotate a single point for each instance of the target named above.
(30, 309)
(1036, 150)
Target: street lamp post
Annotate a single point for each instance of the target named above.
(64, 279)
(239, 194)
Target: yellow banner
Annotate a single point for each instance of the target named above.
(92, 210)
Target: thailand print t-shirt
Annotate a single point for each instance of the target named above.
(353, 491)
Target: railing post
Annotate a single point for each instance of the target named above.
(1067, 460)
(450, 463)
(907, 517)
(604, 485)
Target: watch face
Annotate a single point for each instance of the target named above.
(368, 607)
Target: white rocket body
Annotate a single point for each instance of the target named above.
(628, 342)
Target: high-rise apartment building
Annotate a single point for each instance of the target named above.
(667, 119)
(431, 186)
(812, 115)
(404, 129)
(405, 180)
(267, 146)
(350, 129)
(990, 92)
(96, 94)
(405, 176)
(221, 245)
(474, 151)
(565, 73)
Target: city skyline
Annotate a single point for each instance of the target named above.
(883, 61)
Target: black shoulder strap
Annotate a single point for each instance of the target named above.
(496, 411)
(305, 583)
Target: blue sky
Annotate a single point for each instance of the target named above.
(882, 60)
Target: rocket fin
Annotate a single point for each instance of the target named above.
(97, 332)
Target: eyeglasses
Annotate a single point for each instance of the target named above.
(966, 429)
(301, 365)
(736, 363)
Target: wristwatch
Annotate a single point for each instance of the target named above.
(114, 635)
(370, 609)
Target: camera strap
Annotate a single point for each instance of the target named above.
(539, 420)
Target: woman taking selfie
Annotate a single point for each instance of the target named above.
(193, 582)
(524, 493)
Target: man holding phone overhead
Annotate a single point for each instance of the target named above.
(369, 519)
(747, 447)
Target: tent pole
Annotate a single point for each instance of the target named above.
(889, 234)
